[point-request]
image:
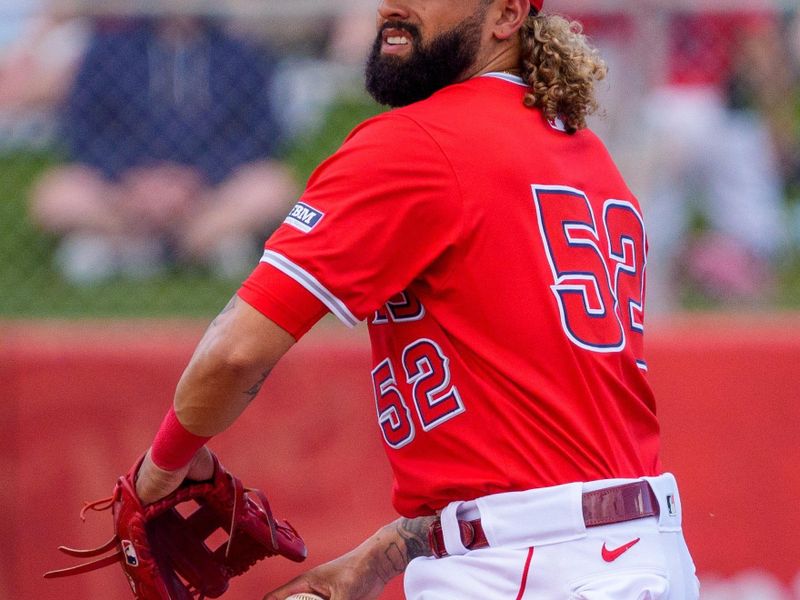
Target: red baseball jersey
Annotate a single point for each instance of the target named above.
(499, 262)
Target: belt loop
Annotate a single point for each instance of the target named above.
(666, 492)
(451, 530)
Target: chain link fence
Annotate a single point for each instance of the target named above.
(147, 152)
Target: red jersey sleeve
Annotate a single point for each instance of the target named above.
(373, 217)
(282, 300)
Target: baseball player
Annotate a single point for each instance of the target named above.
(498, 257)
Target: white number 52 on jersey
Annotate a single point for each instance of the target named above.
(598, 275)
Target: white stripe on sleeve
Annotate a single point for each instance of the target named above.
(312, 284)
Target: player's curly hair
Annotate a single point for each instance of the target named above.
(561, 68)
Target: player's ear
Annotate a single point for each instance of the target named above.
(508, 16)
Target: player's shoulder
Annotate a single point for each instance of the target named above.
(384, 145)
(396, 131)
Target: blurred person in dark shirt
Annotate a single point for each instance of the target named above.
(172, 139)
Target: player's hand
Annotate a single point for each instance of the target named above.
(154, 483)
(349, 577)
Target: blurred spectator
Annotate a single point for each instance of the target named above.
(40, 47)
(714, 164)
(613, 33)
(323, 65)
(352, 34)
(792, 141)
(763, 80)
(172, 135)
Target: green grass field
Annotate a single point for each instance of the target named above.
(31, 287)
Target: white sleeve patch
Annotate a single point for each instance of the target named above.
(304, 217)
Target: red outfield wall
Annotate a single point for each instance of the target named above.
(81, 401)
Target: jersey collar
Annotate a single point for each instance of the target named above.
(516, 79)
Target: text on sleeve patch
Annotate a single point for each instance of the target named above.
(304, 217)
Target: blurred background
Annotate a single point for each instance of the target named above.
(148, 149)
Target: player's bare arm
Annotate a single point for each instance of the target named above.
(227, 370)
(362, 573)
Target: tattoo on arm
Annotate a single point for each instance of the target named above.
(415, 534)
(256, 387)
(394, 563)
(397, 555)
(228, 307)
(388, 553)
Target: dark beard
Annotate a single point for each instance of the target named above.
(397, 81)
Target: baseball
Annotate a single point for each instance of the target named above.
(304, 596)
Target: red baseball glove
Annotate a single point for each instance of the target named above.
(164, 554)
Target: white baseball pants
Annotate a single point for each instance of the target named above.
(540, 549)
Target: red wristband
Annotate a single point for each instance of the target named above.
(174, 445)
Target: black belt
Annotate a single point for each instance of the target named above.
(606, 506)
